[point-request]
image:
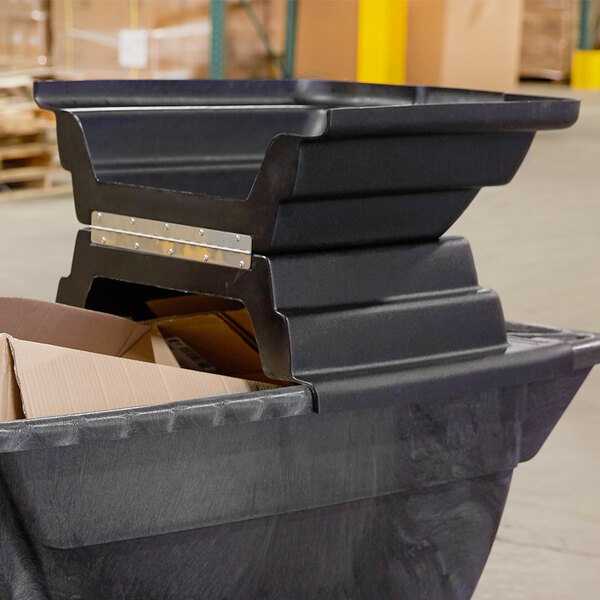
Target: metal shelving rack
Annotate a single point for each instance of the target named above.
(217, 47)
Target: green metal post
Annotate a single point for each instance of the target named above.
(584, 29)
(217, 41)
(290, 38)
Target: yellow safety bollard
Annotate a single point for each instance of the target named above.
(585, 69)
(382, 26)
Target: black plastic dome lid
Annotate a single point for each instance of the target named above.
(296, 165)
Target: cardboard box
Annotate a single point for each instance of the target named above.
(464, 43)
(24, 34)
(549, 38)
(210, 334)
(215, 342)
(327, 39)
(104, 39)
(57, 360)
(191, 304)
(69, 327)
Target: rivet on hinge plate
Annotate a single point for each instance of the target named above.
(172, 239)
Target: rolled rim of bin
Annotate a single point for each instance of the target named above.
(351, 107)
(542, 353)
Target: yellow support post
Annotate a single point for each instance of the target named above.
(381, 56)
(585, 70)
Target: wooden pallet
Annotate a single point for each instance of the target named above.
(53, 191)
(29, 169)
(24, 118)
(15, 85)
(28, 149)
(56, 189)
(11, 153)
(30, 179)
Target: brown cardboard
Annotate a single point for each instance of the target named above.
(464, 43)
(81, 329)
(53, 380)
(326, 41)
(152, 348)
(141, 350)
(57, 359)
(242, 321)
(549, 38)
(10, 400)
(24, 33)
(61, 325)
(218, 340)
(161, 353)
(210, 333)
(191, 304)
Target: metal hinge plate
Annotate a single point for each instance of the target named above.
(172, 239)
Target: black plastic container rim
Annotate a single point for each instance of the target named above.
(551, 352)
(353, 109)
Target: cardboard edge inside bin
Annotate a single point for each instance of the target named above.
(82, 329)
(68, 326)
(51, 380)
(10, 398)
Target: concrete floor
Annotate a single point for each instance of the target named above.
(536, 242)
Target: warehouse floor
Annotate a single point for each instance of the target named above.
(537, 243)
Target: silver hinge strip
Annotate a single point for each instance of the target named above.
(172, 239)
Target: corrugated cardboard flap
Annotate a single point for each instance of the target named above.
(59, 381)
(61, 325)
(10, 400)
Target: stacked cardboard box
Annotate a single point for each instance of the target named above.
(464, 43)
(24, 36)
(549, 38)
(104, 39)
(320, 52)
